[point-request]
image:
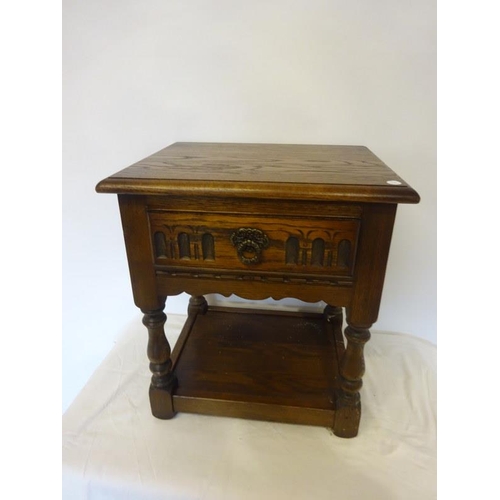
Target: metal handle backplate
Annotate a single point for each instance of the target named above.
(249, 243)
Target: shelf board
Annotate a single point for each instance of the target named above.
(266, 365)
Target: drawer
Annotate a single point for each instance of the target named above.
(228, 241)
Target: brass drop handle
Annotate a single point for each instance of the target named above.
(249, 243)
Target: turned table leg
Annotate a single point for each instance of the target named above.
(352, 368)
(163, 379)
(197, 304)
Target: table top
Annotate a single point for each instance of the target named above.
(284, 171)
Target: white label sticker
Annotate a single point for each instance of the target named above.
(394, 183)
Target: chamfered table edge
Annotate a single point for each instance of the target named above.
(276, 190)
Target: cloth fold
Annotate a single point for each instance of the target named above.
(114, 449)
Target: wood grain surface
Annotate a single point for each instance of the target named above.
(283, 171)
(193, 226)
(259, 364)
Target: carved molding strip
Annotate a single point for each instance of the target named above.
(260, 278)
(305, 250)
(183, 245)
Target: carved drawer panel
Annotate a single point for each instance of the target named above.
(254, 243)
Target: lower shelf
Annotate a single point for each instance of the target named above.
(256, 364)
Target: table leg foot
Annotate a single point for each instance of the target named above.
(347, 418)
(161, 403)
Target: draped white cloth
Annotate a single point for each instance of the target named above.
(114, 449)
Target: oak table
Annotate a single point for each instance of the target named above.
(260, 220)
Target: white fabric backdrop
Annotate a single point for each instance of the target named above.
(114, 449)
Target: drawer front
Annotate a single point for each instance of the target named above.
(226, 241)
